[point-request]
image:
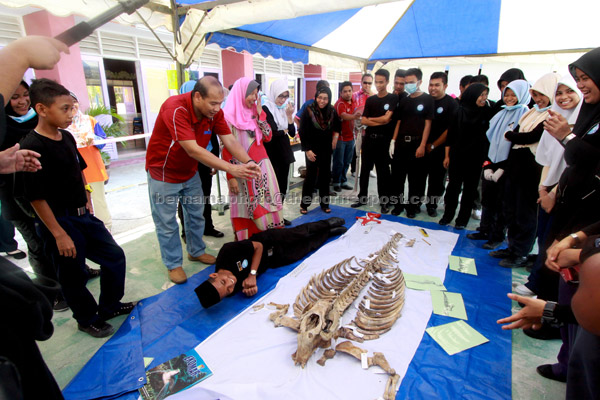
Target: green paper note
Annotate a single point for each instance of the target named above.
(456, 336)
(147, 361)
(463, 264)
(423, 282)
(448, 304)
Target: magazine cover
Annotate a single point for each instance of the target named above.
(175, 375)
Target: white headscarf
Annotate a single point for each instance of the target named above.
(550, 151)
(277, 87)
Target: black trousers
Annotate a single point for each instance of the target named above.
(406, 165)
(435, 175)
(40, 263)
(583, 374)
(92, 241)
(543, 281)
(292, 244)
(282, 172)
(318, 173)
(492, 214)
(521, 194)
(375, 152)
(463, 174)
(7, 236)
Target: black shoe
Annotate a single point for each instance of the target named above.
(397, 210)
(345, 186)
(478, 236)
(411, 214)
(98, 329)
(546, 332)
(417, 210)
(60, 305)
(333, 193)
(385, 209)
(357, 204)
(502, 253)
(124, 309)
(337, 231)
(491, 245)
(286, 222)
(432, 212)
(17, 254)
(547, 372)
(337, 188)
(214, 233)
(92, 273)
(514, 262)
(444, 221)
(459, 227)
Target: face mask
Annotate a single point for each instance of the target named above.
(511, 107)
(410, 88)
(24, 118)
(538, 109)
(284, 105)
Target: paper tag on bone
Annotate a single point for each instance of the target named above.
(385, 279)
(332, 290)
(364, 360)
(370, 274)
(376, 369)
(367, 303)
(394, 294)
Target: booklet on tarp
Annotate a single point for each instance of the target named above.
(175, 375)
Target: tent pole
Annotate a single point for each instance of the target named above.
(177, 40)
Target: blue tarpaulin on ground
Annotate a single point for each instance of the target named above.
(172, 322)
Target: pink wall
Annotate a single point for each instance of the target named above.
(69, 70)
(355, 77)
(236, 65)
(313, 74)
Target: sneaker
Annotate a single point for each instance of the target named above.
(337, 188)
(523, 290)
(432, 212)
(502, 253)
(177, 275)
(123, 309)
(491, 245)
(478, 236)
(60, 305)
(203, 258)
(372, 174)
(17, 254)
(98, 329)
(345, 186)
(476, 214)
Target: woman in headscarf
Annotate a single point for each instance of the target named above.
(466, 149)
(20, 120)
(280, 116)
(319, 132)
(511, 74)
(550, 154)
(255, 205)
(85, 130)
(516, 97)
(523, 175)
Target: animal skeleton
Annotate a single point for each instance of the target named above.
(320, 305)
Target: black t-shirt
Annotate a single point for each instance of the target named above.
(376, 106)
(60, 180)
(412, 112)
(236, 257)
(444, 112)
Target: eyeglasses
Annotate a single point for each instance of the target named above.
(367, 83)
(283, 96)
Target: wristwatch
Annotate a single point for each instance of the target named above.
(548, 316)
(568, 138)
(575, 238)
(252, 272)
(432, 146)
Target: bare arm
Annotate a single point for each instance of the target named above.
(249, 284)
(29, 52)
(66, 247)
(586, 302)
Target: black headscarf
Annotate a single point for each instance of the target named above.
(590, 113)
(322, 118)
(467, 133)
(511, 75)
(16, 130)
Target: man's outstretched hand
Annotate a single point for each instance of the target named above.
(249, 286)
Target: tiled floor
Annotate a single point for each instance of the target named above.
(68, 349)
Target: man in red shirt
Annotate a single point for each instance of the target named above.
(342, 155)
(359, 99)
(182, 131)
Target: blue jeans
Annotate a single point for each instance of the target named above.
(164, 197)
(342, 157)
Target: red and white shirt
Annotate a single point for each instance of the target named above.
(166, 160)
(342, 106)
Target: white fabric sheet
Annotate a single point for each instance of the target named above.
(251, 359)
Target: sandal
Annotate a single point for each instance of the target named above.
(326, 210)
(303, 211)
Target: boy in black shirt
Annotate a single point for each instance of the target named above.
(61, 199)
(445, 110)
(377, 116)
(238, 263)
(407, 148)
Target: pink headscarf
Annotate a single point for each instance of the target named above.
(236, 112)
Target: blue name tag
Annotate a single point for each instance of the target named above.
(209, 132)
(593, 130)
